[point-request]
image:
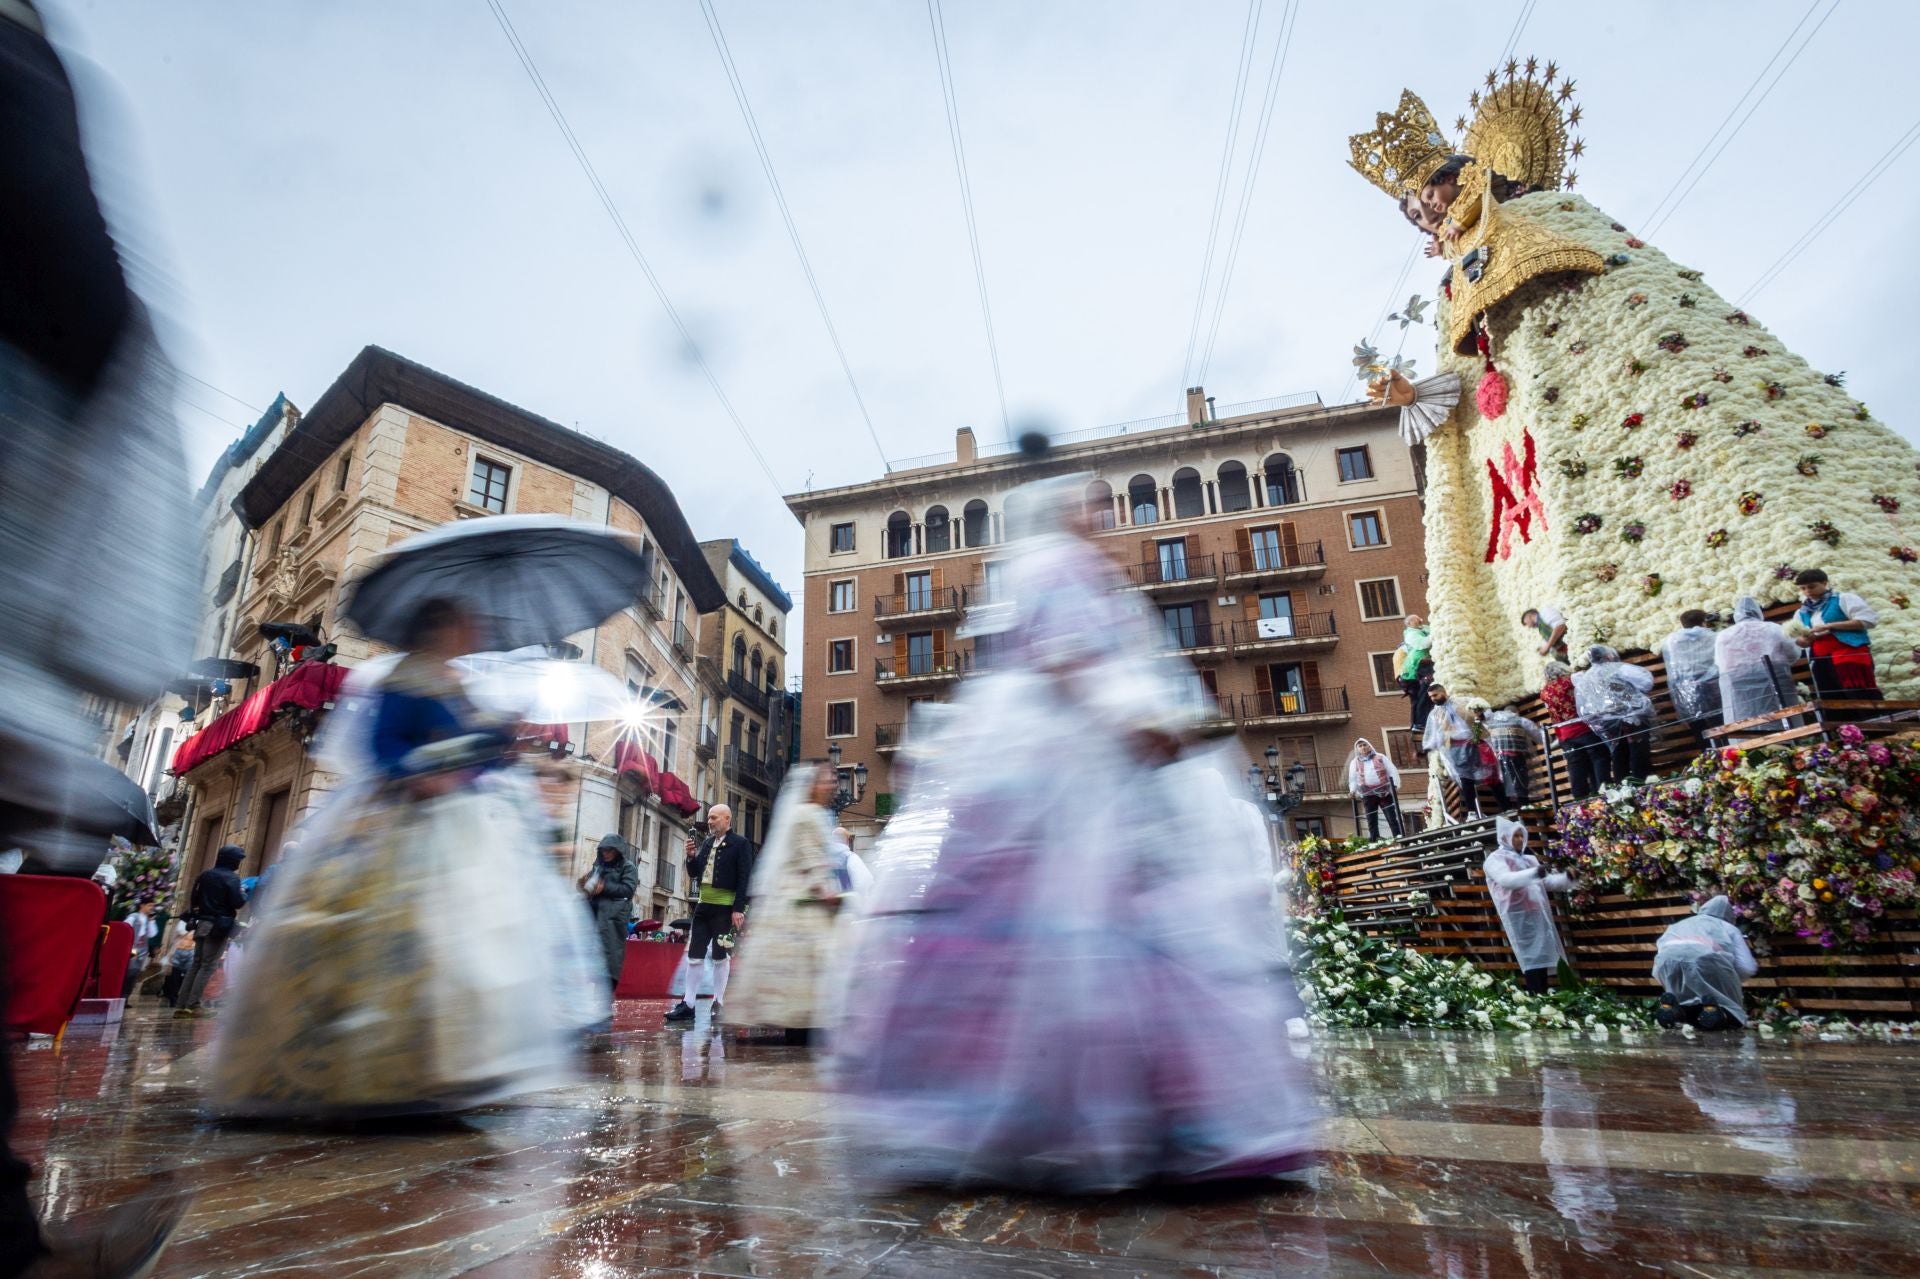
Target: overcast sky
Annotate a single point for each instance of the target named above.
(308, 178)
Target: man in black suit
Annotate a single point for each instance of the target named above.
(718, 872)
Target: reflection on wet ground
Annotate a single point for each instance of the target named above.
(692, 1153)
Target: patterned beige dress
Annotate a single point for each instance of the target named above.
(788, 939)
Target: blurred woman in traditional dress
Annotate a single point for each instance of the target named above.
(366, 992)
(787, 942)
(1064, 871)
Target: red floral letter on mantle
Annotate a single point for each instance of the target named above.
(1516, 499)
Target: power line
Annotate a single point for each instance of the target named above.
(626, 236)
(950, 98)
(251, 408)
(780, 198)
(1655, 226)
(1248, 33)
(1827, 219)
(1275, 70)
(1519, 25)
(1393, 298)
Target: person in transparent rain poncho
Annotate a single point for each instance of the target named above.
(1693, 679)
(1519, 888)
(1755, 658)
(1068, 867)
(1700, 962)
(1614, 700)
(1374, 783)
(375, 984)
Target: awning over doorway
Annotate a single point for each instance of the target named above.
(310, 686)
(630, 757)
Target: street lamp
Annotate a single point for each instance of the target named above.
(850, 784)
(1266, 784)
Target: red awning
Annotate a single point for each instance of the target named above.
(310, 686)
(628, 757)
(549, 736)
(675, 795)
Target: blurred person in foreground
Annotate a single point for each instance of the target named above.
(1700, 962)
(1065, 869)
(796, 894)
(372, 986)
(95, 529)
(719, 868)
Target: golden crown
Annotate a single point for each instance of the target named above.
(1521, 125)
(1404, 148)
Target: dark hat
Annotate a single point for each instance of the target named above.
(229, 856)
(614, 841)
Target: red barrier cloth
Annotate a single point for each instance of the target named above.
(648, 969)
(548, 735)
(110, 974)
(311, 686)
(628, 757)
(675, 794)
(50, 926)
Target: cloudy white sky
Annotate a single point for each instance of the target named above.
(308, 178)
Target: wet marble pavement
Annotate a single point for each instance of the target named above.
(688, 1153)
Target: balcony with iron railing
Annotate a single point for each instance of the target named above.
(1265, 562)
(650, 599)
(746, 692)
(923, 604)
(665, 872)
(229, 579)
(1323, 703)
(706, 741)
(1170, 575)
(1196, 639)
(682, 639)
(1276, 634)
(922, 671)
(748, 770)
(888, 738)
(1218, 710)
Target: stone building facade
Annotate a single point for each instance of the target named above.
(746, 730)
(1281, 542)
(391, 449)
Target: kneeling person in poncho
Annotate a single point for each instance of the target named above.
(1700, 962)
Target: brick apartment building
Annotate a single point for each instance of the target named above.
(390, 449)
(1281, 542)
(746, 719)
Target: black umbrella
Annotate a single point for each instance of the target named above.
(294, 633)
(78, 791)
(211, 668)
(526, 579)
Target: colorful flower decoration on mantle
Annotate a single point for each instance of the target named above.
(1785, 572)
(1891, 505)
(1900, 599)
(1672, 343)
(1632, 531)
(1751, 501)
(1818, 430)
(1685, 440)
(1637, 366)
(1686, 300)
(1572, 467)
(1745, 428)
(1753, 352)
(1721, 375)
(1636, 299)
(1836, 379)
(1652, 584)
(1629, 468)
(1588, 523)
(1718, 538)
(1905, 554)
(1632, 421)
(1824, 531)
(1809, 465)
(1739, 317)
(1698, 400)
(1607, 572)
(1773, 391)
(1687, 273)
(1681, 490)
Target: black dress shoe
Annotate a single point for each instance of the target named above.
(1713, 1017)
(1668, 1012)
(680, 1012)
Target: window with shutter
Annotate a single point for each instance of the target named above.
(1386, 674)
(1401, 749)
(1379, 599)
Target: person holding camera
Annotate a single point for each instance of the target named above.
(215, 906)
(719, 867)
(609, 888)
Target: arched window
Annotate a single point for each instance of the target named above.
(1143, 499)
(939, 530)
(740, 655)
(773, 627)
(773, 675)
(756, 667)
(759, 615)
(1234, 493)
(899, 535)
(1189, 500)
(743, 601)
(974, 523)
(1100, 504)
(1283, 482)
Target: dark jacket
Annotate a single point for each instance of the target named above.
(218, 897)
(733, 871)
(618, 880)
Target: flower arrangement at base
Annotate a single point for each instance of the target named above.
(1816, 841)
(1314, 872)
(1350, 979)
(141, 874)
